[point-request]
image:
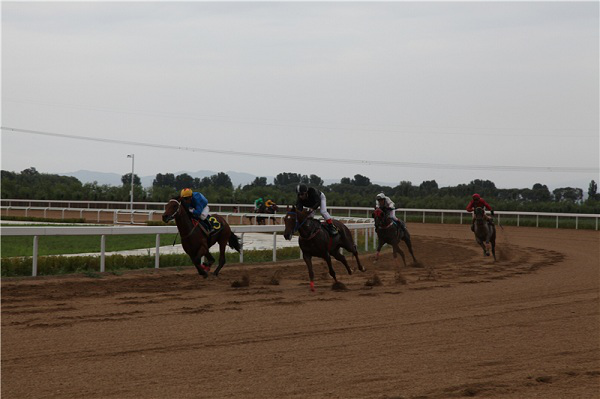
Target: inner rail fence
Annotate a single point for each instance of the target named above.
(142, 212)
(36, 232)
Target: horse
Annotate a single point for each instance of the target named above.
(484, 231)
(315, 240)
(271, 210)
(195, 241)
(389, 233)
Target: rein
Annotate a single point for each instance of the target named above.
(299, 225)
(386, 226)
(173, 216)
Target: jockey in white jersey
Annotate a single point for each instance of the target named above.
(384, 203)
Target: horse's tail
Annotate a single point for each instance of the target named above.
(234, 242)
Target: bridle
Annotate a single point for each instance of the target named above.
(298, 225)
(171, 217)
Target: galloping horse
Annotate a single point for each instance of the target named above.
(195, 241)
(316, 241)
(484, 232)
(389, 233)
(271, 210)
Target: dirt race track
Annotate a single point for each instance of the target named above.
(527, 326)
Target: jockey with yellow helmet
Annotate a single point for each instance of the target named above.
(197, 204)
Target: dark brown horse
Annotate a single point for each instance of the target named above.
(485, 232)
(389, 233)
(194, 239)
(315, 241)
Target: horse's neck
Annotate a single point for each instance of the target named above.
(481, 226)
(184, 223)
(307, 227)
(384, 222)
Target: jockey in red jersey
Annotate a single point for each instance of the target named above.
(477, 202)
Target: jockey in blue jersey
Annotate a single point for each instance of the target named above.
(197, 204)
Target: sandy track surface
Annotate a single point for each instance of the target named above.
(527, 326)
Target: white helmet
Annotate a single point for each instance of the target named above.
(380, 196)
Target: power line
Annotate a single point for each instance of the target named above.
(317, 159)
(385, 129)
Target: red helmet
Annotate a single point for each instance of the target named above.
(476, 197)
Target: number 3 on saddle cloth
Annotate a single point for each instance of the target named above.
(209, 226)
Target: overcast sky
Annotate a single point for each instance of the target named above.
(432, 83)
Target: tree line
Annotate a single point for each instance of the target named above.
(350, 191)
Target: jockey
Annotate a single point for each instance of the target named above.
(313, 198)
(258, 203)
(197, 204)
(476, 202)
(269, 203)
(384, 203)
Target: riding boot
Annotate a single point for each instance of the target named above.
(331, 228)
(207, 225)
(401, 224)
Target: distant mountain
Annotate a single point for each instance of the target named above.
(88, 176)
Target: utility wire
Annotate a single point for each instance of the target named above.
(379, 128)
(316, 159)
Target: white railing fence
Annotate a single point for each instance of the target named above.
(140, 216)
(36, 232)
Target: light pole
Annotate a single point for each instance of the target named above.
(131, 206)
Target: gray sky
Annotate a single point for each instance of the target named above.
(467, 83)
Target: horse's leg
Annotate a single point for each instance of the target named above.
(222, 245)
(397, 250)
(311, 274)
(330, 266)
(209, 260)
(337, 255)
(380, 244)
(408, 243)
(493, 240)
(197, 259)
(482, 245)
(350, 247)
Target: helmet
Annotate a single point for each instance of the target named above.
(380, 196)
(476, 197)
(301, 188)
(186, 192)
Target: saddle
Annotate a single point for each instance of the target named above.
(330, 229)
(209, 227)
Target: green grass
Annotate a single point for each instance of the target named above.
(116, 264)
(12, 246)
(47, 220)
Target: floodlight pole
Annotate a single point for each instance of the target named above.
(131, 205)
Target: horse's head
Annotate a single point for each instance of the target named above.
(379, 217)
(479, 213)
(291, 221)
(294, 219)
(171, 209)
